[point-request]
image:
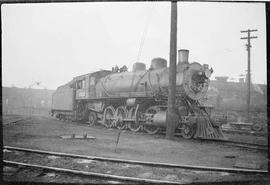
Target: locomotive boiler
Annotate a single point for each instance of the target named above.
(137, 99)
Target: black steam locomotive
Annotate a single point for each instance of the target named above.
(137, 100)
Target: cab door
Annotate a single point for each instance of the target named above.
(81, 90)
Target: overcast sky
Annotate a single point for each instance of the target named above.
(54, 42)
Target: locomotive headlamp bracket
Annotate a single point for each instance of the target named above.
(207, 73)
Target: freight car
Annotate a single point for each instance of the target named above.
(137, 100)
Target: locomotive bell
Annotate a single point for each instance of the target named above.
(183, 56)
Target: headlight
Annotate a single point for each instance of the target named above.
(207, 73)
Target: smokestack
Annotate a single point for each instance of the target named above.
(183, 56)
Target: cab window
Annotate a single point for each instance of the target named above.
(92, 81)
(81, 84)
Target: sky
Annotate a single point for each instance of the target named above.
(52, 43)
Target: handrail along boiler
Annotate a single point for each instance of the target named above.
(137, 100)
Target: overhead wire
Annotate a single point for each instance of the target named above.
(145, 30)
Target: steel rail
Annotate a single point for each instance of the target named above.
(156, 164)
(235, 143)
(9, 121)
(240, 144)
(244, 143)
(100, 175)
(255, 133)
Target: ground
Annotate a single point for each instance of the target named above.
(45, 134)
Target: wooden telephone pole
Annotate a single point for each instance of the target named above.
(248, 45)
(171, 114)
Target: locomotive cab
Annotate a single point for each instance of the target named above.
(85, 85)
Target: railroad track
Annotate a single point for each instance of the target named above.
(246, 145)
(242, 132)
(251, 146)
(238, 144)
(118, 169)
(8, 121)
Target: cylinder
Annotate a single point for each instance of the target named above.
(159, 119)
(138, 66)
(158, 63)
(183, 56)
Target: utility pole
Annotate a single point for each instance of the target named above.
(171, 114)
(248, 45)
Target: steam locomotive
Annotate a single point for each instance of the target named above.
(137, 100)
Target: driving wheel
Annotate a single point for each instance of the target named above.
(108, 117)
(134, 126)
(120, 114)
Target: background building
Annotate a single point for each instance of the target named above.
(26, 101)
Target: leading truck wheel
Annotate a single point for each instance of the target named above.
(151, 129)
(92, 118)
(108, 117)
(188, 131)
